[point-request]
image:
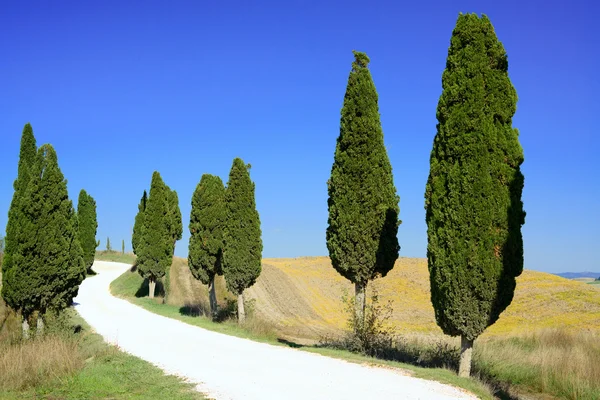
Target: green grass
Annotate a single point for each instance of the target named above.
(128, 284)
(106, 373)
(115, 256)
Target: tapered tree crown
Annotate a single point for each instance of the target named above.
(27, 157)
(138, 225)
(156, 243)
(363, 204)
(87, 226)
(473, 204)
(243, 243)
(207, 225)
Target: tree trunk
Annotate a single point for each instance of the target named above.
(39, 326)
(359, 302)
(466, 353)
(213, 298)
(241, 311)
(25, 327)
(151, 286)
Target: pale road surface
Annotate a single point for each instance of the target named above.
(226, 367)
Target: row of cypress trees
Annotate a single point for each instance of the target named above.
(474, 211)
(48, 246)
(225, 235)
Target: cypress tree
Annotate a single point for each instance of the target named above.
(1, 250)
(155, 248)
(138, 225)
(87, 226)
(207, 223)
(108, 248)
(12, 291)
(174, 216)
(474, 211)
(363, 204)
(48, 259)
(243, 244)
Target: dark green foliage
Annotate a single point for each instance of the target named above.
(207, 223)
(138, 225)
(174, 216)
(123, 246)
(155, 248)
(87, 225)
(1, 250)
(473, 195)
(243, 243)
(108, 248)
(363, 205)
(47, 259)
(27, 157)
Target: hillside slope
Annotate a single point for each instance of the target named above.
(302, 298)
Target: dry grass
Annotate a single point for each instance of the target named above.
(556, 361)
(30, 363)
(312, 289)
(302, 298)
(26, 364)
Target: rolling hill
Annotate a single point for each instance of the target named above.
(574, 275)
(302, 298)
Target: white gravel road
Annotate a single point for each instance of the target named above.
(226, 367)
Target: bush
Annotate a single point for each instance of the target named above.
(373, 337)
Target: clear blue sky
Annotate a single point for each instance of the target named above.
(123, 89)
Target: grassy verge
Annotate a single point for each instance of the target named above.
(70, 363)
(115, 256)
(128, 286)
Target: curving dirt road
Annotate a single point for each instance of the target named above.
(226, 367)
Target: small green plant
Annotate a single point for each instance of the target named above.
(372, 335)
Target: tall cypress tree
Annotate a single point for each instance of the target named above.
(48, 259)
(87, 226)
(243, 243)
(363, 204)
(174, 216)
(473, 204)
(138, 225)
(207, 223)
(12, 290)
(155, 248)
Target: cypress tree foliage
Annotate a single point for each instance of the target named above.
(87, 225)
(175, 228)
(474, 211)
(174, 216)
(243, 244)
(12, 294)
(108, 248)
(363, 204)
(207, 224)
(48, 264)
(155, 248)
(1, 250)
(138, 225)
(123, 246)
